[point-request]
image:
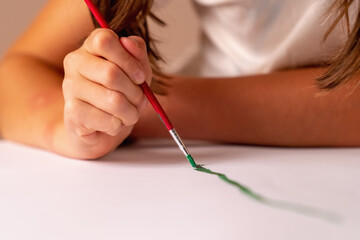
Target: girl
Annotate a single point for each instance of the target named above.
(73, 89)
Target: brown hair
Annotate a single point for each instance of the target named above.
(129, 17)
(347, 63)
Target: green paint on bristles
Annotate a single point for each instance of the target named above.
(191, 161)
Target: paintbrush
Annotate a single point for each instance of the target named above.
(149, 94)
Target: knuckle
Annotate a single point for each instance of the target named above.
(122, 108)
(112, 74)
(115, 99)
(102, 39)
(69, 60)
(95, 32)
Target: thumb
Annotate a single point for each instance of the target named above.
(136, 46)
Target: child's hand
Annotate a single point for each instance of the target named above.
(103, 99)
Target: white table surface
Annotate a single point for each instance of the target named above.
(149, 191)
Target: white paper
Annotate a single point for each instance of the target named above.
(150, 191)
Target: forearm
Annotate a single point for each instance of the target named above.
(279, 109)
(32, 109)
(31, 100)
(31, 104)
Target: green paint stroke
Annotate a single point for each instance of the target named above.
(294, 207)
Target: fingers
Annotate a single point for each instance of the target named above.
(110, 101)
(105, 43)
(106, 73)
(101, 85)
(84, 119)
(135, 46)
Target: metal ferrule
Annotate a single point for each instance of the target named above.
(179, 142)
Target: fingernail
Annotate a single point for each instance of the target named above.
(139, 76)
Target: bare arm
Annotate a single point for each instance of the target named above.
(81, 109)
(274, 109)
(278, 109)
(31, 73)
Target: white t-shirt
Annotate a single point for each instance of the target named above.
(244, 37)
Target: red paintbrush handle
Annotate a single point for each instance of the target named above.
(156, 105)
(97, 14)
(145, 87)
